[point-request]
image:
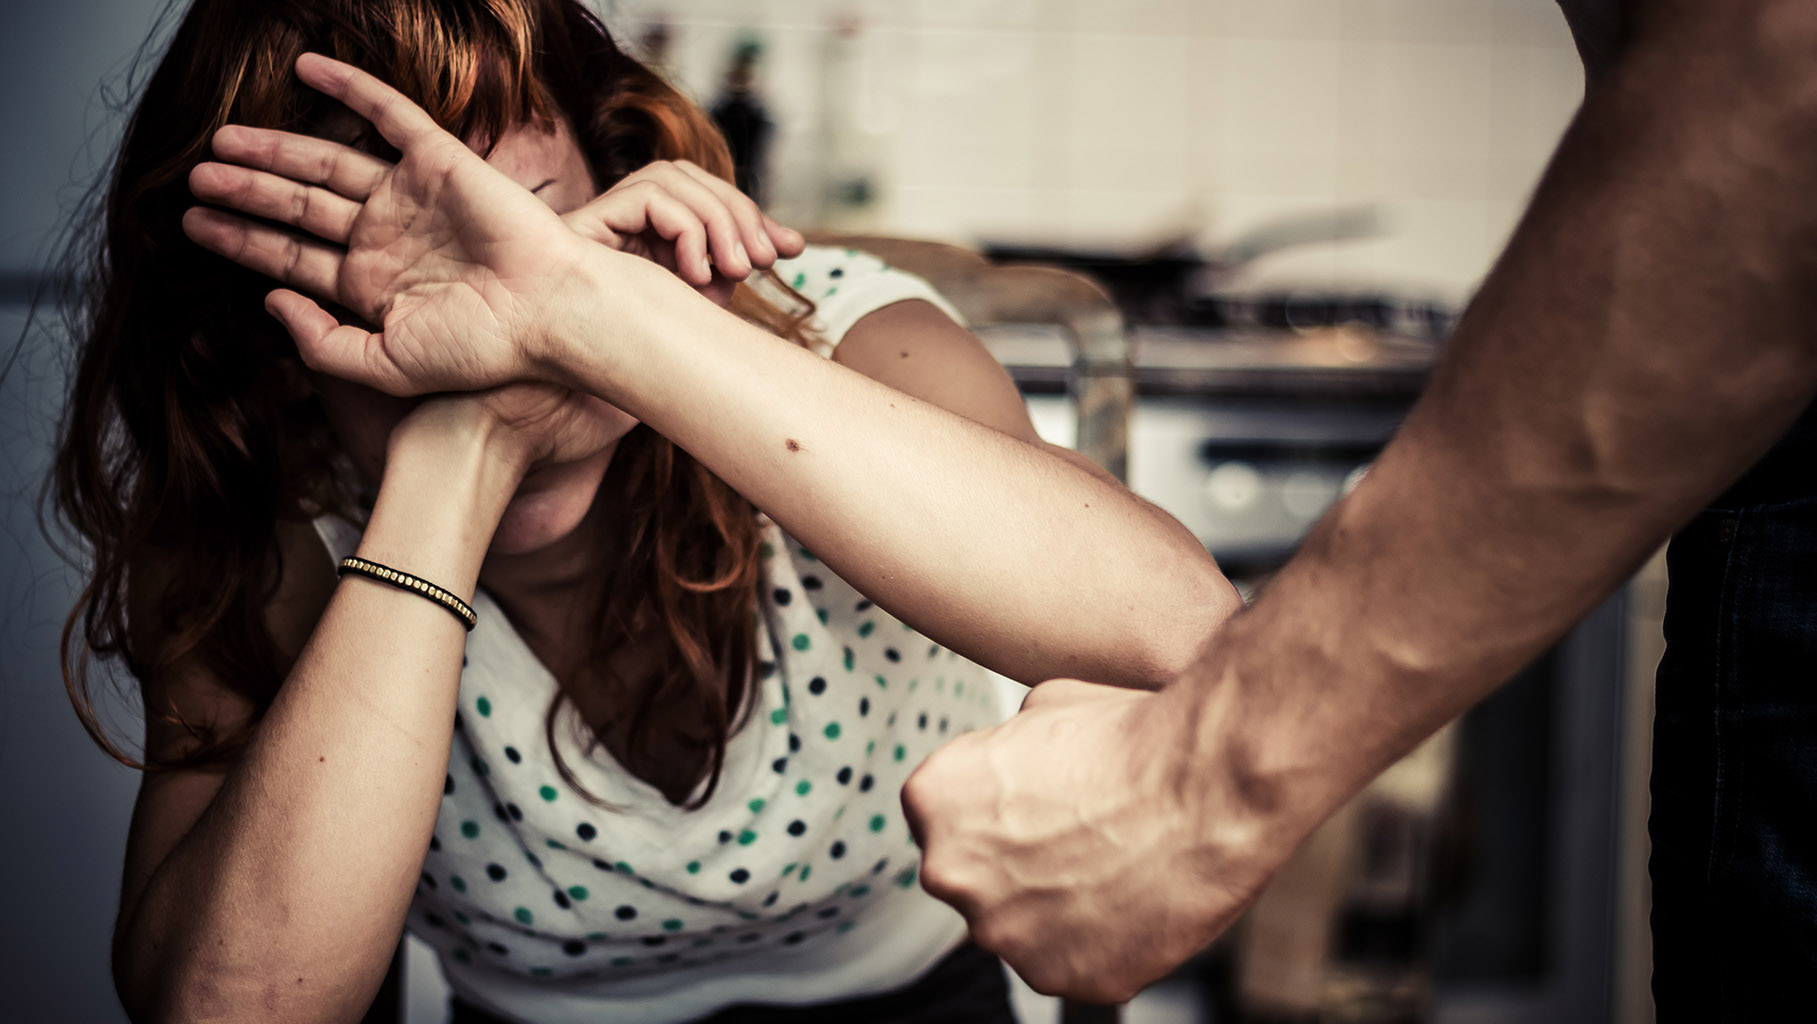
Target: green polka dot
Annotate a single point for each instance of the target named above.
(800, 279)
(484, 707)
(877, 823)
(547, 793)
(480, 767)
(523, 915)
(885, 683)
(747, 837)
(802, 787)
(624, 868)
(801, 642)
(808, 555)
(531, 857)
(693, 867)
(840, 813)
(821, 614)
(860, 891)
(866, 627)
(786, 872)
(830, 292)
(702, 943)
(845, 926)
(747, 915)
(459, 883)
(906, 878)
(578, 892)
(766, 550)
(462, 918)
(870, 748)
(756, 805)
(901, 751)
(462, 956)
(597, 936)
(914, 684)
(959, 688)
(553, 844)
(779, 716)
(470, 829)
(832, 730)
(848, 659)
(544, 972)
(621, 961)
(804, 872)
(673, 924)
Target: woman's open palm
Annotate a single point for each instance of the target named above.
(443, 251)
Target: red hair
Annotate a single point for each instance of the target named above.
(190, 433)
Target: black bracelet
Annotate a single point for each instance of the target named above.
(415, 584)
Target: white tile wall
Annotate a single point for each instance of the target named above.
(1125, 122)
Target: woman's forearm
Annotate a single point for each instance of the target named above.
(285, 899)
(990, 545)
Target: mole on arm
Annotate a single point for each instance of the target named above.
(792, 445)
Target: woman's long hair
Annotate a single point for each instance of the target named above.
(191, 432)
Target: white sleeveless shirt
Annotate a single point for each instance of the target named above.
(796, 882)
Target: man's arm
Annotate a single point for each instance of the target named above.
(1647, 335)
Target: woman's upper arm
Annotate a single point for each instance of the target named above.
(917, 349)
(185, 700)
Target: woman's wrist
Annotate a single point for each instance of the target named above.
(598, 315)
(450, 470)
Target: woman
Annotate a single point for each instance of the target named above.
(658, 778)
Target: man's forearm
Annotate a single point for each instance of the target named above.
(1645, 338)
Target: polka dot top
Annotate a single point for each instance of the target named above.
(796, 882)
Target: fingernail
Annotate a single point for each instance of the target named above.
(743, 256)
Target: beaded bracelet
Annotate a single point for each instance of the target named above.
(415, 584)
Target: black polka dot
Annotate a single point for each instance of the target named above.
(836, 272)
(838, 849)
(781, 596)
(428, 879)
(817, 685)
(498, 811)
(459, 722)
(864, 784)
(749, 937)
(513, 756)
(625, 913)
(798, 827)
(724, 836)
(864, 706)
(498, 949)
(827, 912)
(933, 651)
(668, 958)
(574, 947)
(586, 831)
(654, 940)
(447, 784)
(433, 921)
(779, 765)
(561, 900)
(740, 876)
(862, 606)
(434, 844)
(921, 723)
(770, 900)
(845, 775)
(794, 743)
(516, 812)
(880, 866)
(602, 865)
(794, 938)
(535, 862)
(766, 669)
(892, 654)
(810, 583)
(463, 661)
(495, 872)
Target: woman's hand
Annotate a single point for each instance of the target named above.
(457, 263)
(698, 226)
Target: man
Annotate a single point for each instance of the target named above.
(1649, 333)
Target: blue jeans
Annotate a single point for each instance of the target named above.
(1734, 819)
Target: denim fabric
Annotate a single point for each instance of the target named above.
(967, 987)
(1734, 819)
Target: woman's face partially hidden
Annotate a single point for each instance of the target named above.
(554, 496)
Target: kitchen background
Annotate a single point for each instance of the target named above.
(1312, 163)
